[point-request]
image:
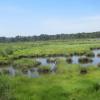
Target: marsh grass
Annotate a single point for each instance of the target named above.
(70, 82)
(4, 61)
(5, 71)
(69, 60)
(25, 63)
(98, 65)
(85, 60)
(66, 84)
(83, 70)
(51, 60)
(44, 69)
(90, 54)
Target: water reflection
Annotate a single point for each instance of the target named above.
(33, 72)
(96, 59)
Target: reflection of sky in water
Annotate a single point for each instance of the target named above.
(75, 59)
(32, 74)
(96, 52)
(34, 71)
(96, 60)
(12, 71)
(43, 61)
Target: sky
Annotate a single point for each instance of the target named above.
(35, 17)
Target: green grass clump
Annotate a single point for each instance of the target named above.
(51, 60)
(90, 54)
(69, 60)
(5, 88)
(25, 63)
(84, 60)
(83, 70)
(98, 65)
(5, 71)
(44, 69)
(4, 60)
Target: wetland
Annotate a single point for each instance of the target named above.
(53, 70)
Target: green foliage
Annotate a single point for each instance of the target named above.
(99, 65)
(45, 37)
(69, 60)
(68, 82)
(85, 60)
(25, 63)
(83, 70)
(44, 69)
(90, 54)
(4, 61)
(6, 51)
(5, 88)
(48, 48)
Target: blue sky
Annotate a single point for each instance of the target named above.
(35, 17)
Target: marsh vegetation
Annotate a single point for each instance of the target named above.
(53, 70)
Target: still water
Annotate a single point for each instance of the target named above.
(33, 72)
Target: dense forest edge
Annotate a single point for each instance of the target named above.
(45, 37)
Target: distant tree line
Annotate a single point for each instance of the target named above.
(45, 37)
